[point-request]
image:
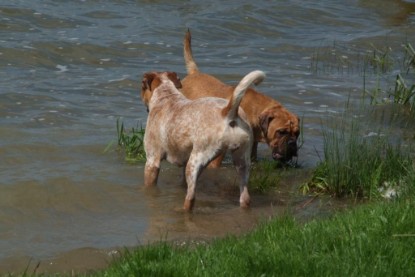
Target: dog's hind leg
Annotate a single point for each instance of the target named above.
(193, 169)
(254, 151)
(242, 162)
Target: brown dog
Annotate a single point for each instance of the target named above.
(192, 133)
(270, 121)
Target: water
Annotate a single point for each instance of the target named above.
(69, 69)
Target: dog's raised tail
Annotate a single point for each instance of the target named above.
(191, 66)
(231, 110)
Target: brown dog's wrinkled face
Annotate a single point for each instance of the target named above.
(281, 130)
(151, 80)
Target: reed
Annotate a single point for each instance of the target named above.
(131, 142)
(380, 60)
(403, 93)
(409, 57)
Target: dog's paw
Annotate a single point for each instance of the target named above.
(245, 200)
(188, 205)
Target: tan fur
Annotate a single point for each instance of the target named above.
(192, 133)
(270, 121)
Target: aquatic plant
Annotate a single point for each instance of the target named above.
(401, 93)
(358, 164)
(409, 57)
(132, 142)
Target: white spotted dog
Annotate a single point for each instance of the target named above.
(192, 133)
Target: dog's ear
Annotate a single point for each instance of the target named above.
(147, 80)
(175, 79)
(147, 87)
(264, 120)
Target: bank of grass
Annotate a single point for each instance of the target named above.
(372, 240)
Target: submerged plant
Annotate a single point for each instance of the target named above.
(380, 60)
(264, 176)
(132, 142)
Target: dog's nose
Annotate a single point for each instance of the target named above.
(292, 146)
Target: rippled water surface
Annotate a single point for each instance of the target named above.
(69, 69)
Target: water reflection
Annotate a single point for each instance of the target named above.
(395, 13)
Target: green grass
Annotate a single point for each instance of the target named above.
(358, 164)
(372, 240)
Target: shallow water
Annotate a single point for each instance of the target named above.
(69, 69)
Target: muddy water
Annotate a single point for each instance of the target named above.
(69, 69)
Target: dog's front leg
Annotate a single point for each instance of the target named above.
(242, 161)
(193, 169)
(151, 171)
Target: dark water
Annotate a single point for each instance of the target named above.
(69, 69)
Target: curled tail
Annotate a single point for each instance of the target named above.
(191, 66)
(231, 110)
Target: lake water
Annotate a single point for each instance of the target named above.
(69, 69)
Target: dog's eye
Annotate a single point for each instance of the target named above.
(282, 132)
